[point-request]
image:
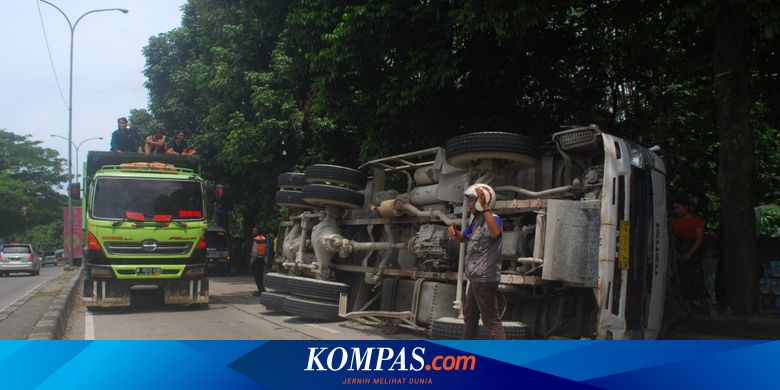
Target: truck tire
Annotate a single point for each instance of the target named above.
(273, 301)
(291, 200)
(448, 328)
(464, 149)
(334, 174)
(328, 195)
(319, 310)
(291, 181)
(305, 287)
(275, 281)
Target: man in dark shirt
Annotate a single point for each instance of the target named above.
(124, 139)
(178, 146)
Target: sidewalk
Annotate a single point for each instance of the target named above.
(41, 313)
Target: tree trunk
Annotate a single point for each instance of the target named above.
(735, 170)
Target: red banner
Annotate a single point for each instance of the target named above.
(76, 231)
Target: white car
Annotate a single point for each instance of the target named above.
(19, 258)
(49, 257)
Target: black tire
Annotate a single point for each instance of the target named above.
(334, 174)
(464, 149)
(328, 195)
(448, 328)
(291, 180)
(291, 200)
(273, 301)
(319, 310)
(305, 287)
(275, 281)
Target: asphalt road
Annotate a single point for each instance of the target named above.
(232, 314)
(16, 285)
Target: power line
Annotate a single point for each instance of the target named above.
(51, 60)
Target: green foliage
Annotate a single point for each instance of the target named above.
(29, 175)
(42, 237)
(142, 120)
(271, 87)
(768, 220)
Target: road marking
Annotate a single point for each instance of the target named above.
(25, 294)
(324, 328)
(89, 326)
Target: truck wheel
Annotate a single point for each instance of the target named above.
(291, 180)
(272, 301)
(291, 200)
(334, 174)
(275, 281)
(464, 149)
(448, 328)
(327, 311)
(305, 287)
(328, 195)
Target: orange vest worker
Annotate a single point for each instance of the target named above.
(262, 245)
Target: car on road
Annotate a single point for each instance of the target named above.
(19, 258)
(49, 257)
(217, 251)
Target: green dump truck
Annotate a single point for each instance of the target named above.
(144, 221)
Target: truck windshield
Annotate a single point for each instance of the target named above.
(180, 199)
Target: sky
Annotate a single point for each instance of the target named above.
(108, 66)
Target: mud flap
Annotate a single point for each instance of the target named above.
(113, 293)
(103, 293)
(187, 291)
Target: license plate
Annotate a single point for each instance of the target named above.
(148, 271)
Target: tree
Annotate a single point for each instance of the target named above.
(269, 87)
(29, 175)
(731, 85)
(42, 237)
(142, 120)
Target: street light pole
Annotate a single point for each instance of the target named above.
(77, 151)
(70, 115)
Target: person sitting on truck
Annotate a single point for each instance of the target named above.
(155, 142)
(124, 139)
(688, 235)
(483, 263)
(178, 146)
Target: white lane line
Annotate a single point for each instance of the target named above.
(25, 294)
(89, 325)
(324, 328)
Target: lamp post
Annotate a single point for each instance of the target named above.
(77, 151)
(70, 114)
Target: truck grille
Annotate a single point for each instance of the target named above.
(579, 138)
(139, 249)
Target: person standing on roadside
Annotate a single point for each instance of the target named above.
(688, 235)
(483, 263)
(124, 139)
(259, 254)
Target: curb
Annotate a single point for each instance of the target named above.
(52, 324)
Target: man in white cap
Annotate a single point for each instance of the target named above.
(483, 263)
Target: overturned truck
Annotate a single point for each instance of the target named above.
(584, 252)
